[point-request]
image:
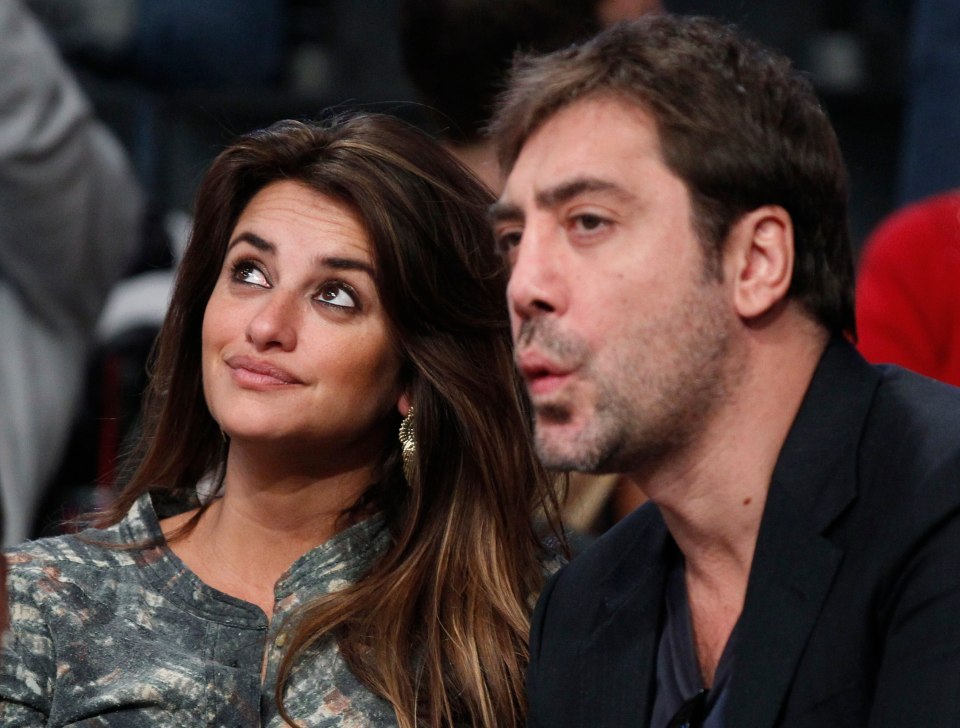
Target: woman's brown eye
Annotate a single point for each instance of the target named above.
(246, 271)
(337, 294)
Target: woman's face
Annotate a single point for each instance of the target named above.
(296, 346)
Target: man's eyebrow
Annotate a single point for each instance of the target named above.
(500, 211)
(566, 191)
(555, 196)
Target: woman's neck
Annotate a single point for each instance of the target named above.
(270, 513)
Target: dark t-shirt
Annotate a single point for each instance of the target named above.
(679, 683)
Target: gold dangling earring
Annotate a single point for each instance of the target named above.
(408, 444)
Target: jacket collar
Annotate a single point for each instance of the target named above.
(794, 563)
(618, 681)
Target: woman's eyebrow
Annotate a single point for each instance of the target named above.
(340, 263)
(255, 240)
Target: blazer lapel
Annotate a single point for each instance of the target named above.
(794, 562)
(617, 679)
(791, 576)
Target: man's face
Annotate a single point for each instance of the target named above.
(621, 334)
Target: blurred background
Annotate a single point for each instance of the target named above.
(175, 80)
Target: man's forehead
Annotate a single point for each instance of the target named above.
(587, 115)
(589, 146)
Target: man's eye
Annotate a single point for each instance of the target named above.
(246, 271)
(507, 241)
(337, 294)
(589, 222)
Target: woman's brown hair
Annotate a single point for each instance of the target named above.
(438, 626)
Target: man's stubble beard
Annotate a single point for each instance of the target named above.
(650, 401)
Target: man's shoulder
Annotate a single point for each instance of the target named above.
(902, 391)
(591, 613)
(914, 420)
(908, 464)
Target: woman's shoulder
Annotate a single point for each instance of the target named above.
(92, 554)
(118, 545)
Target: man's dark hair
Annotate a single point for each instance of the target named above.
(736, 123)
(457, 52)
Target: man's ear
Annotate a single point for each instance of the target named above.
(403, 404)
(759, 260)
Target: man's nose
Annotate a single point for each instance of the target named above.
(537, 283)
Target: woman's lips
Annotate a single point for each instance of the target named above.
(257, 374)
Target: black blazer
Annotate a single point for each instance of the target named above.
(852, 611)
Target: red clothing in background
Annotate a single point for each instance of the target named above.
(908, 289)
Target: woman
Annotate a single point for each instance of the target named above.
(276, 555)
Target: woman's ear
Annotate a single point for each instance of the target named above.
(759, 260)
(403, 404)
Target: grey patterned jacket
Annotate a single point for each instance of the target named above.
(130, 637)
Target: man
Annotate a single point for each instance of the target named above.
(681, 297)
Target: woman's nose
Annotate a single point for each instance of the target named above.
(276, 322)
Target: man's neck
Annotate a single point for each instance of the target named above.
(713, 493)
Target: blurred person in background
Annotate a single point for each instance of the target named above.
(908, 289)
(930, 148)
(279, 553)
(70, 215)
(457, 53)
(171, 43)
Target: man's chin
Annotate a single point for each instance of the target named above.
(561, 447)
